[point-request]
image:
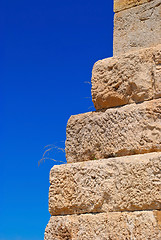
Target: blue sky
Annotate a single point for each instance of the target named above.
(47, 52)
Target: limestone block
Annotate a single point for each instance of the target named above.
(137, 28)
(116, 184)
(120, 5)
(127, 130)
(107, 226)
(132, 77)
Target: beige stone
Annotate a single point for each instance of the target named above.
(120, 5)
(132, 77)
(127, 130)
(107, 226)
(137, 28)
(116, 184)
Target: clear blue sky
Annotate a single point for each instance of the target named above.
(47, 52)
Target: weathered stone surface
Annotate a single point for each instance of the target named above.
(137, 28)
(115, 184)
(107, 226)
(132, 77)
(120, 5)
(127, 130)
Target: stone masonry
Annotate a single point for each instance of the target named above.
(137, 27)
(110, 188)
(130, 78)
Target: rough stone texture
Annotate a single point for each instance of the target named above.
(120, 5)
(117, 197)
(133, 77)
(137, 28)
(127, 130)
(107, 226)
(115, 184)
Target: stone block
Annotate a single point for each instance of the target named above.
(116, 184)
(132, 77)
(137, 28)
(107, 226)
(120, 5)
(127, 130)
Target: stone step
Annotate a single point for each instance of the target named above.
(128, 130)
(120, 5)
(132, 77)
(136, 28)
(142, 225)
(116, 184)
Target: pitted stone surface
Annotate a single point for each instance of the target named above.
(127, 130)
(137, 28)
(107, 226)
(117, 197)
(116, 184)
(133, 77)
(120, 5)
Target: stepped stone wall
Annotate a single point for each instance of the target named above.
(110, 188)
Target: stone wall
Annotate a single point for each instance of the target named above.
(137, 27)
(110, 188)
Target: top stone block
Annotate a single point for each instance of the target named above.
(120, 5)
(137, 28)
